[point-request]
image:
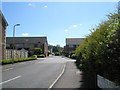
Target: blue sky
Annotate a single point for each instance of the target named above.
(56, 20)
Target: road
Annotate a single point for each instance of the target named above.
(39, 73)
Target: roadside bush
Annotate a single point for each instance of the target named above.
(6, 61)
(57, 54)
(35, 56)
(41, 56)
(100, 51)
(17, 60)
(73, 56)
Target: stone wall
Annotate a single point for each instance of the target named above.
(10, 54)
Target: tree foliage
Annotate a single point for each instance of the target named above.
(100, 51)
(57, 49)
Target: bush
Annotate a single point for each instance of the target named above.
(73, 56)
(100, 51)
(17, 60)
(57, 54)
(6, 61)
(41, 56)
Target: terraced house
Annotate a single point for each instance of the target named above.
(29, 44)
(3, 25)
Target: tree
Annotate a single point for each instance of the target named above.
(100, 51)
(37, 51)
(57, 49)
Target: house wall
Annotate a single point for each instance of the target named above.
(1, 50)
(46, 49)
(72, 44)
(2, 37)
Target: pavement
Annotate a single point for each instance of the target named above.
(71, 77)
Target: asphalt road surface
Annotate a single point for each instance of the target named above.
(39, 73)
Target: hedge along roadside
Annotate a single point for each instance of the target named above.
(100, 51)
(17, 60)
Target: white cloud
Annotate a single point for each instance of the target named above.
(75, 26)
(25, 34)
(29, 4)
(80, 24)
(66, 30)
(45, 6)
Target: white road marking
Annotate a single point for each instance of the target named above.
(7, 69)
(57, 78)
(10, 80)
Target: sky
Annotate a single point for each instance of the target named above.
(56, 20)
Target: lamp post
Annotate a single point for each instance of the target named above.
(14, 40)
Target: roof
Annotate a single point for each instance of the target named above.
(74, 41)
(3, 18)
(41, 40)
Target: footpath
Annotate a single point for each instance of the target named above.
(73, 78)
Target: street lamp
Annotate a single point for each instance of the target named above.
(14, 40)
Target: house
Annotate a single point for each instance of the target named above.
(28, 43)
(71, 45)
(3, 25)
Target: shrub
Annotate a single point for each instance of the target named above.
(32, 58)
(100, 51)
(73, 56)
(6, 61)
(57, 54)
(35, 56)
(41, 56)
(17, 60)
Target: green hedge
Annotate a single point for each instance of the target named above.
(41, 56)
(100, 51)
(73, 56)
(17, 60)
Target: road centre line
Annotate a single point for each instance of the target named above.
(10, 80)
(50, 87)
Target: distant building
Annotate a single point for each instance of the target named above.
(3, 25)
(72, 44)
(28, 43)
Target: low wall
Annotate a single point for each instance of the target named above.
(105, 83)
(10, 54)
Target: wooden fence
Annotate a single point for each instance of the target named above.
(10, 54)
